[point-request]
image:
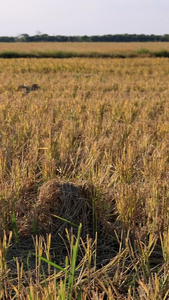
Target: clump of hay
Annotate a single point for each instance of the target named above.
(67, 200)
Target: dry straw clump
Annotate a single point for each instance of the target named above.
(76, 202)
(66, 200)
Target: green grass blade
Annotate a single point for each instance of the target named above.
(15, 229)
(29, 294)
(69, 222)
(66, 266)
(51, 263)
(74, 258)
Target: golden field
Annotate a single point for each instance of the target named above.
(100, 129)
(84, 47)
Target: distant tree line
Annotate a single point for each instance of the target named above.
(85, 38)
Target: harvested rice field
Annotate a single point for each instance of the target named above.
(84, 178)
(84, 50)
(84, 47)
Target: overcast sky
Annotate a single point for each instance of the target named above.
(83, 17)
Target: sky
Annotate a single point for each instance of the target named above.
(83, 17)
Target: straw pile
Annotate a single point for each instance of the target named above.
(68, 200)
